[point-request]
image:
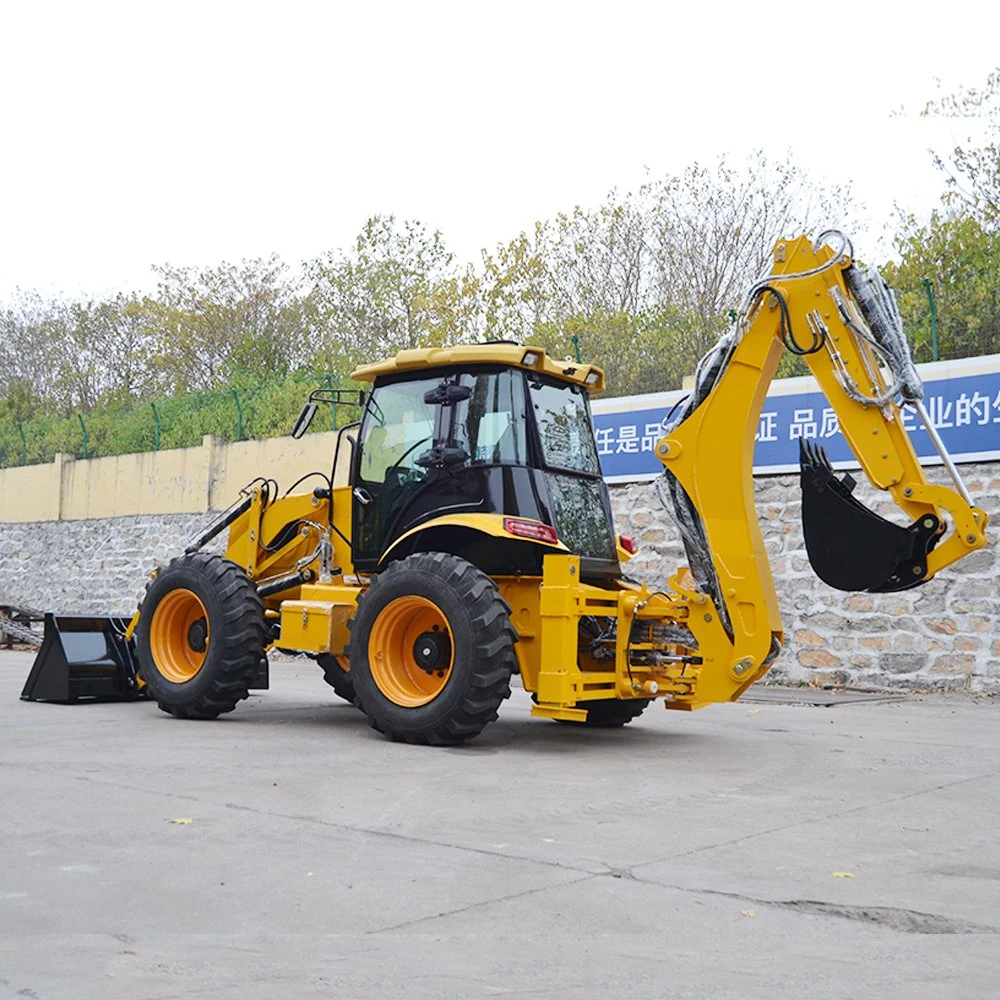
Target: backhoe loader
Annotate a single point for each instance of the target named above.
(464, 533)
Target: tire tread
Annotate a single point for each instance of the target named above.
(493, 654)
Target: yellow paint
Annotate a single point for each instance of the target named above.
(522, 594)
(30, 492)
(315, 626)
(488, 524)
(176, 481)
(163, 482)
(130, 631)
(553, 712)
(284, 459)
(480, 354)
(546, 614)
(711, 454)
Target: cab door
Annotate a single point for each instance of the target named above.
(398, 427)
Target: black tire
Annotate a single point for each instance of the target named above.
(232, 636)
(607, 713)
(338, 678)
(477, 635)
(611, 713)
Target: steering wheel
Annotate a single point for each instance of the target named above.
(409, 451)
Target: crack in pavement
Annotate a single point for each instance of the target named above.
(410, 838)
(899, 919)
(484, 902)
(826, 817)
(894, 917)
(315, 820)
(25, 992)
(891, 917)
(54, 770)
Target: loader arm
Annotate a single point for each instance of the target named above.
(810, 303)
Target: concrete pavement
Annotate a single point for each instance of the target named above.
(748, 850)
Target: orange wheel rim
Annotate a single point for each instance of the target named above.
(410, 654)
(179, 635)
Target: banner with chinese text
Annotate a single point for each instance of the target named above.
(962, 399)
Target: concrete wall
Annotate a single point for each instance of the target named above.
(83, 536)
(178, 481)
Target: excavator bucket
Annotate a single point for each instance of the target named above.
(850, 546)
(83, 657)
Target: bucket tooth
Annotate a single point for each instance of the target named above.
(851, 547)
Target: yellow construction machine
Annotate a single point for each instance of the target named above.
(464, 533)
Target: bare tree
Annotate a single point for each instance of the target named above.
(972, 167)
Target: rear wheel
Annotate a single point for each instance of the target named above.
(607, 713)
(611, 713)
(200, 637)
(432, 650)
(336, 673)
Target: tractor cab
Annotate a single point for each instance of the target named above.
(487, 447)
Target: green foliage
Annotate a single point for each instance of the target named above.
(270, 407)
(643, 283)
(214, 325)
(647, 279)
(961, 259)
(396, 289)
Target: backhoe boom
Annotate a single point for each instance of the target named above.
(819, 304)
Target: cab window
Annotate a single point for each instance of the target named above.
(399, 428)
(562, 416)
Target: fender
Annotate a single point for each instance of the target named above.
(491, 525)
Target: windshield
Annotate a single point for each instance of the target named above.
(490, 425)
(564, 426)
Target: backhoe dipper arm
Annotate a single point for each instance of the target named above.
(842, 319)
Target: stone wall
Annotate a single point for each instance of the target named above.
(942, 635)
(89, 567)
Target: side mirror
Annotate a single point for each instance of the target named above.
(303, 420)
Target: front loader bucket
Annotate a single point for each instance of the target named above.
(83, 657)
(851, 547)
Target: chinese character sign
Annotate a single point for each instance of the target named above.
(964, 408)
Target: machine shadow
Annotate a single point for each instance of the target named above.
(513, 732)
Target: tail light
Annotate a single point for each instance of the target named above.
(629, 544)
(530, 529)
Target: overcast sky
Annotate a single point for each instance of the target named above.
(145, 133)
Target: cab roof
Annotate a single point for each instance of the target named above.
(533, 359)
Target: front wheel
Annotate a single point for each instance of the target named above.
(337, 673)
(432, 650)
(200, 637)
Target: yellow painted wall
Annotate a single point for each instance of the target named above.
(30, 493)
(162, 482)
(283, 459)
(179, 481)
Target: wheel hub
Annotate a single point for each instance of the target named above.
(179, 634)
(198, 635)
(432, 651)
(410, 651)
